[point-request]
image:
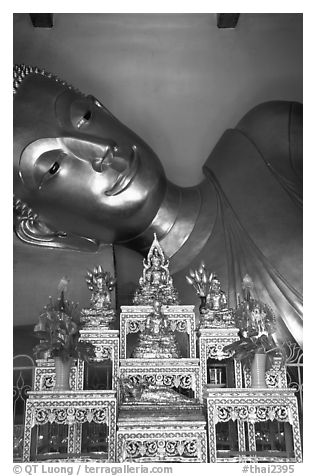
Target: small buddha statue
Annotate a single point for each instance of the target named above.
(101, 297)
(157, 340)
(157, 273)
(216, 299)
(100, 312)
(156, 283)
(214, 311)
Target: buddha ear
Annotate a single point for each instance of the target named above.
(30, 229)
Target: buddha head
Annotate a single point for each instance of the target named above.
(215, 285)
(81, 171)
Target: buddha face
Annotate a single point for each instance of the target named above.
(78, 167)
(215, 286)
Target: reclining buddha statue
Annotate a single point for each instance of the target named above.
(82, 179)
(146, 393)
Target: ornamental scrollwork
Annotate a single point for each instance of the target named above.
(252, 413)
(215, 351)
(150, 449)
(184, 381)
(102, 353)
(48, 382)
(272, 378)
(68, 416)
(179, 325)
(133, 326)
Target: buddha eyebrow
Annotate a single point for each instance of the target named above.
(95, 101)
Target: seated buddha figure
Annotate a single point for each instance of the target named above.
(216, 299)
(83, 179)
(157, 340)
(157, 275)
(216, 312)
(100, 312)
(156, 283)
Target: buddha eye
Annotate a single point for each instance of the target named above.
(87, 115)
(84, 119)
(54, 168)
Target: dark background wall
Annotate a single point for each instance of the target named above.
(175, 79)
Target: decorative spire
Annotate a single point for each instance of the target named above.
(247, 287)
(214, 311)
(92, 278)
(62, 290)
(200, 279)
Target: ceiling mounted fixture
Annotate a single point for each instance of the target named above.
(227, 20)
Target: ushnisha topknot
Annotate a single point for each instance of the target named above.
(20, 71)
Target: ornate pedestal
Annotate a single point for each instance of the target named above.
(182, 374)
(247, 407)
(211, 344)
(72, 409)
(148, 433)
(106, 346)
(44, 375)
(133, 318)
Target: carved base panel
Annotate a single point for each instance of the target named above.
(71, 408)
(248, 407)
(171, 434)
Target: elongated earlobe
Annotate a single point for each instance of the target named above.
(30, 229)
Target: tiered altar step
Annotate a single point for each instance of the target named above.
(155, 433)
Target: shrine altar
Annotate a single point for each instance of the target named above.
(162, 405)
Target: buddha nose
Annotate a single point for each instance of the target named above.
(100, 155)
(113, 158)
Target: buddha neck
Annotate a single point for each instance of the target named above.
(183, 223)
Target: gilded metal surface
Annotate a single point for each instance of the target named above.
(69, 149)
(214, 310)
(177, 373)
(81, 178)
(71, 408)
(155, 283)
(181, 318)
(250, 406)
(100, 312)
(156, 339)
(142, 391)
